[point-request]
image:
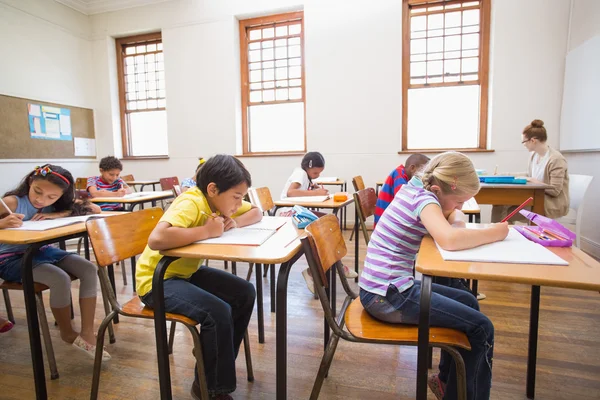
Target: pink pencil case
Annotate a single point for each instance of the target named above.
(546, 231)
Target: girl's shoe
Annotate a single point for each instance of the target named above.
(7, 326)
(350, 273)
(436, 386)
(310, 283)
(89, 349)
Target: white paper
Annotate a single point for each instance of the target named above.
(326, 179)
(269, 223)
(52, 127)
(470, 205)
(515, 249)
(306, 199)
(136, 195)
(65, 124)
(35, 110)
(46, 224)
(240, 236)
(84, 146)
(38, 126)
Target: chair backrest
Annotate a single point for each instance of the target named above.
(176, 190)
(119, 237)
(578, 186)
(262, 198)
(358, 183)
(81, 183)
(365, 201)
(82, 194)
(168, 183)
(128, 178)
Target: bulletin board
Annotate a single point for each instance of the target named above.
(18, 142)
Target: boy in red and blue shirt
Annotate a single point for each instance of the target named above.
(395, 180)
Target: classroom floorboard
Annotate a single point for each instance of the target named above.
(568, 354)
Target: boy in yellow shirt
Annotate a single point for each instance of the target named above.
(221, 302)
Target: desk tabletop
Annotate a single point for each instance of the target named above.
(279, 248)
(151, 196)
(139, 182)
(329, 203)
(28, 237)
(583, 272)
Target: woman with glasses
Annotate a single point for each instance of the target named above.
(546, 165)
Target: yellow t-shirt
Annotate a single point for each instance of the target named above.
(184, 212)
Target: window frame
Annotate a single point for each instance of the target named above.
(244, 26)
(483, 81)
(121, 44)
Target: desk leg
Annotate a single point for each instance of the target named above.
(356, 244)
(160, 327)
(259, 301)
(328, 274)
(345, 189)
(423, 346)
(281, 327)
(111, 278)
(534, 317)
(37, 358)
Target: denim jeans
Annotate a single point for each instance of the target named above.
(222, 304)
(450, 308)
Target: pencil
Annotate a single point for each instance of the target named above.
(207, 214)
(5, 206)
(553, 234)
(509, 216)
(496, 170)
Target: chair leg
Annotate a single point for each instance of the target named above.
(111, 277)
(133, 275)
(250, 269)
(107, 322)
(107, 311)
(79, 244)
(172, 336)
(266, 270)
(234, 268)
(324, 367)
(199, 362)
(9, 310)
(259, 304)
(272, 283)
(461, 374)
(46, 335)
(351, 235)
(226, 264)
(248, 354)
(123, 272)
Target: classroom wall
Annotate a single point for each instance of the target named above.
(585, 23)
(46, 55)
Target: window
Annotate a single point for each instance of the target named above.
(272, 68)
(141, 71)
(445, 74)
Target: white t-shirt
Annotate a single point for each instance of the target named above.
(298, 176)
(538, 166)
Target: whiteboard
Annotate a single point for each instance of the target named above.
(580, 122)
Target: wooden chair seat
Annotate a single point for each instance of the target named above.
(362, 325)
(135, 308)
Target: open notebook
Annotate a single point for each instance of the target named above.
(326, 179)
(306, 199)
(46, 224)
(251, 235)
(515, 249)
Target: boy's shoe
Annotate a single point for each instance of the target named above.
(89, 349)
(436, 386)
(481, 296)
(310, 283)
(350, 273)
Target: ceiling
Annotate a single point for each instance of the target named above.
(89, 7)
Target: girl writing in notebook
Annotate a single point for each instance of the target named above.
(49, 192)
(388, 291)
(220, 302)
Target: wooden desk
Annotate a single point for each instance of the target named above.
(130, 203)
(327, 204)
(583, 272)
(283, 248)
(152, 182)
(343, 188)
(512, 195)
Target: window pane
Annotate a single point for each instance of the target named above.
(276, 127)
(456, 122)
(148, 133)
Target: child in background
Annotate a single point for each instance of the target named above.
(108, 184)
(49, 192)
(398, 177)
(388, 290)
(222, 303)
(191, 182)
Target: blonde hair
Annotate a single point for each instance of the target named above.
(453, 172)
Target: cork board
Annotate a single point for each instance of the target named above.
(16, 139)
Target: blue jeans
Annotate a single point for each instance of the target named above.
(450, 308)
(222, 304)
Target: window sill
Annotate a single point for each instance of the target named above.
(295, 153)
(130, 158)
(437, 151)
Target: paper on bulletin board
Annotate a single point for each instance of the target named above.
(84, 147)
(52, 123)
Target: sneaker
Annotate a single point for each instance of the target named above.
(481, 296)
(310, 283)
(350, 273)
(436, 386)
(89, 349)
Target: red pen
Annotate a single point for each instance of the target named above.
(509, 216)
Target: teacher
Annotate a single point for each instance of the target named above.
(546, 165)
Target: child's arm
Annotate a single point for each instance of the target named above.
(457, 219)
(250, 217)
(51, 215)
(94, 192)
(165, 236)
(295, 191)
(451, 238)
(10, 220)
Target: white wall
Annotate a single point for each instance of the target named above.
(46, 55)
(585, 23)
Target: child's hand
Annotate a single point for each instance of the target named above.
(12, 221)
(40, 217)
(215, 226)
(500, 230)
(121, 192)
(320, 192)
(229, 223)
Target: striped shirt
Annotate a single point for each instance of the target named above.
(96, 181)
(396, 240)
(390, 187)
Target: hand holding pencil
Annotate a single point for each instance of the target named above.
(12, 220)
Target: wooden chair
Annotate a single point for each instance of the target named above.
(116, 239)
(324, 248)
(176, 190)
(168, 183)
(128, 178)
(364, 202)
(358, 184)
(81, 183)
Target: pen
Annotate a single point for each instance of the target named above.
(509, 216)
(5, 206)
(539, 235)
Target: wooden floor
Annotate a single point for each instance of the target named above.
(568, 355)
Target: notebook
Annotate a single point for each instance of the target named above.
(136, 195)
(269, 223)
(251, 235)
(515, 249)
(306, 199)
(47, 224)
